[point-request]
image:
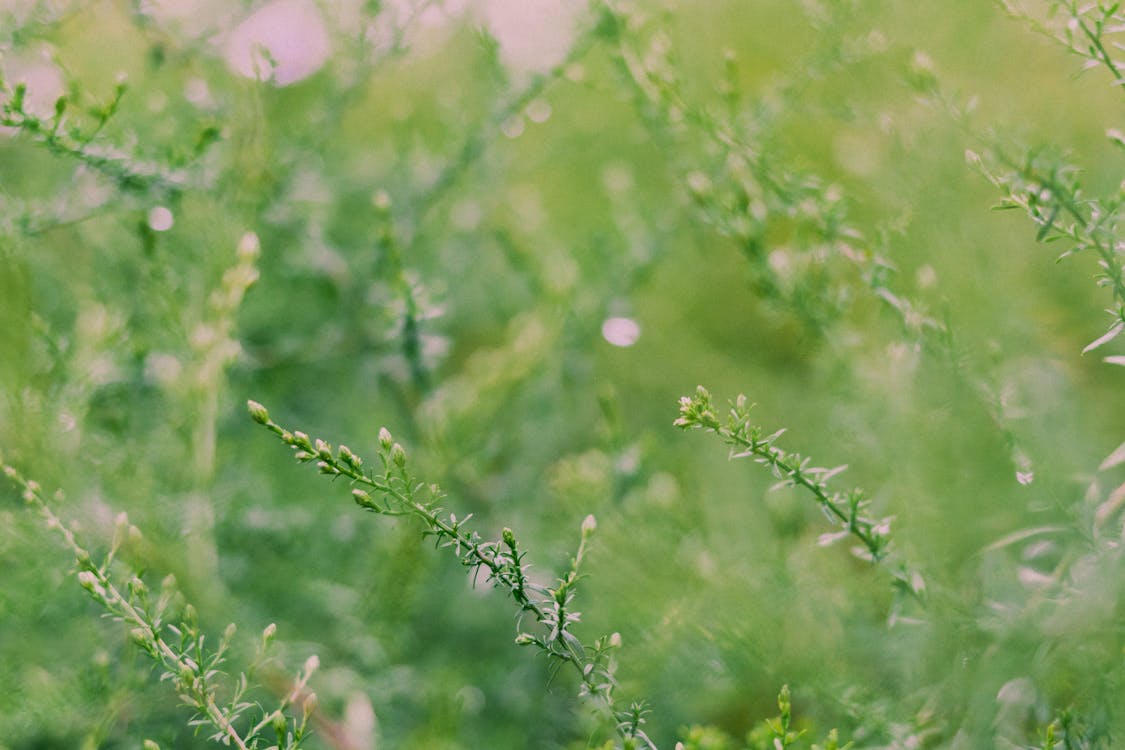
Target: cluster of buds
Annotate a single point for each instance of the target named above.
(697, 411)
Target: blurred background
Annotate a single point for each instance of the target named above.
(511, 231)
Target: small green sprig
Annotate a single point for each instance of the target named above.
(1047, 189)
(783, 734)
(847, 510)
(774, 733)
(1084, 28)
(1065, 732)
(175, 642)
(393, 490)
(789, 224)
(62, 136)
(410, 307)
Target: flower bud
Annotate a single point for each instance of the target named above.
(258, 412)
(385, 439)
(350, 458)
(249, 248)
(228, 634)
(310, 705)
(589, 524)
(88, 581)
(398, 455)
(268, 633)
(508, 537)
(362, 499)
(150, 745)
(311, 664)
(783, 700)
(525, 639)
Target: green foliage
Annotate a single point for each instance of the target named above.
(519, 256)
(168, 632)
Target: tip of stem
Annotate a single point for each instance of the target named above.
(258, 412)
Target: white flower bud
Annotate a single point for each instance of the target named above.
(310, 705)
(249, 247)
(258, 412)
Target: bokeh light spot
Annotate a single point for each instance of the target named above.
(284, 41)
(621, 331)
(160, 219)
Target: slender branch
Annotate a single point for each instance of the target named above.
(847, 510)
(395, 491)
(127, 172)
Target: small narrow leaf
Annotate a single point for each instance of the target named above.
(1113, 459)
(1108, 336)
(825, 540)
(1112, 504)
(833, 472)
(1019, 536)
